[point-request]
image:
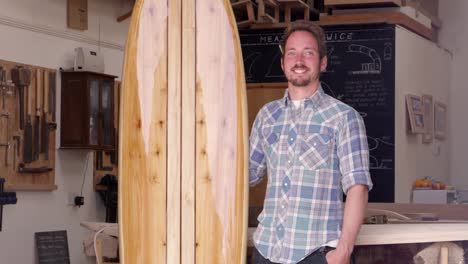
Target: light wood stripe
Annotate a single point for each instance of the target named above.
(188, 132)
(143, 138)
(174, 132)
(221, 142)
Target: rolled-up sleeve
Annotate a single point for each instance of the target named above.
(257, 162)
(353, 152)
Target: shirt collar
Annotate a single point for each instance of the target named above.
(314, 100)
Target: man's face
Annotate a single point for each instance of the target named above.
(301, 61)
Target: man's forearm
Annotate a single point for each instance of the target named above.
(356, 203)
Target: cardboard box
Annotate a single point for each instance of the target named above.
(430, 196)
(77, 14)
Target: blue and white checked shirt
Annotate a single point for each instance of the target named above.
(310, 153)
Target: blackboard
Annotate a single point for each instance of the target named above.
(52, 247)
(360, 72)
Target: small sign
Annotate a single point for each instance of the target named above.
(52, 247)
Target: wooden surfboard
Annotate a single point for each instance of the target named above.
(183, 150)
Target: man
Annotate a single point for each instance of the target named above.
(314, 148)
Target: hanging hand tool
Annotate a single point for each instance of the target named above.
(38, 111)
(5, 86)
(23, 169)
(50, 127)
(6, 142)
(99, 165)
(45, 108)
(18, 144)
(21, 78)
(2, 85)
(52, 94)
(28, 137)
(14, 154)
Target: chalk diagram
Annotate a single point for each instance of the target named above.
(274, 71)
(372, 67)
(250, 60)
(388, 51)
(330, 60)
(328, 90)
(376, 164)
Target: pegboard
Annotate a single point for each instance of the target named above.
(27, 144)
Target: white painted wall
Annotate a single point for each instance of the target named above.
(421, 68)
(454, 37)
(34, 32)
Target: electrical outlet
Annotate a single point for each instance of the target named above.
(79, 201)
(71, 198)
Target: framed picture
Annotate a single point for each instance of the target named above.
(440, 120)
(428, 109)
(415, 115)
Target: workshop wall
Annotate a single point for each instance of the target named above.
(35, 33)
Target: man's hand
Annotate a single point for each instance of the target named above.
(338, 256)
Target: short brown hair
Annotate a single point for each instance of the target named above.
(307, 26)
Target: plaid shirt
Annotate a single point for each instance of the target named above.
(310, 153)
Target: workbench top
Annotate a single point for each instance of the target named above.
(404, 233)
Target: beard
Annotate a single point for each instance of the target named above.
(302, 81)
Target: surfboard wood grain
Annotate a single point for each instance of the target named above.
(221, 137)
(143, 137)
(183, 181)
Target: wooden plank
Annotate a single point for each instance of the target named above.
(447, 212)
(282, 85)
(404, 233)
(436, 22)
(221, 137)
(386, 17)
(244, 8)
(188, 132)
(263, 16)
(143, 137)
(173, 131)
(30, 187)
(338, 3)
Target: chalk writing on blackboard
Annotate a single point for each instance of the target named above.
(371, 66)
(375, 144)
(360, 72)
(52, 247)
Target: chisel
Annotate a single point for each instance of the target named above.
(38, 113)
(21, 78)
(28, 137)
(45, 108)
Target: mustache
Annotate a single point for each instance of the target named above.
(299, 67)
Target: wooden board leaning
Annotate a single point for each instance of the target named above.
(183, 184)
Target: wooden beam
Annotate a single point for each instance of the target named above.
(247, 7)
(338, 3)
(125, 16)
(387, 17)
